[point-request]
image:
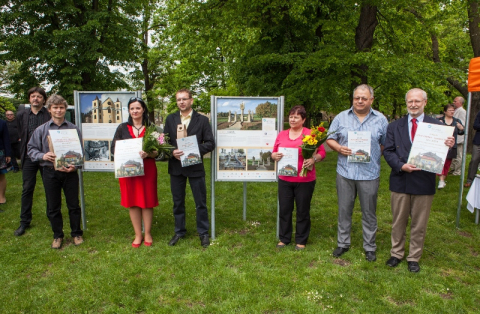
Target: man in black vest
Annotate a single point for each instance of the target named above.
(27, 121)
(196, 124)
(14, 138)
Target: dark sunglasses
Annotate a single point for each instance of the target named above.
(135, 99)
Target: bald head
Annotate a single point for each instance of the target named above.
(458, 102)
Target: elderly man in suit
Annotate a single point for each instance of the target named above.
(412, 189)
(27, 121)
(198, 125)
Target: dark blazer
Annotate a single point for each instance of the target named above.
(5, 139)
(22, 126)
(476, 127)
(198, 126)
(396, 151)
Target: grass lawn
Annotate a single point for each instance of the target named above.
(242, 271)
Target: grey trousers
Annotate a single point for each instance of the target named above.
(456, 166)
(347, 191)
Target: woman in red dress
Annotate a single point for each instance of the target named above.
(139, 194)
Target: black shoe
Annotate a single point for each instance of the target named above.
(20, 230)
(370, 256)
(204, 240)
(413, 267)
(174, 240)
(393, 261)
(339, 251)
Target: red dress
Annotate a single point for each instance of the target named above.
(140, 191)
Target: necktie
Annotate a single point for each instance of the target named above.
(414, 128)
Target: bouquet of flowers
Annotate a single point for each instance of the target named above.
(317, 137)
(156, 141)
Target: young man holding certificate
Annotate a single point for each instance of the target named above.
(187, 119)
(55, 180)
(412, 189)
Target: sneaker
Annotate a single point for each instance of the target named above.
(441, 184)
(78, 240)
(57, 243)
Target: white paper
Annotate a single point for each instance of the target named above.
(128, 162)
(67, 147)
(191, 153)
(360, 144)
(288, 165)
(429, 151)
(268, 124)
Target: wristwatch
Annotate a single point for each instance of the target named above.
(314, 158)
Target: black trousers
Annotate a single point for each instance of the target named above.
(300, 194)
(29, 176)
(178, 185)
(55, 182)
(15, 155)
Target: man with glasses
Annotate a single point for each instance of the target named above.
(358, 178)
(27, 121)
(412, 189)
(198, 125)
(14, 138)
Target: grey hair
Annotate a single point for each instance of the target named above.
(462, 100)
(56, 100)
(365, 86)
(424, 93)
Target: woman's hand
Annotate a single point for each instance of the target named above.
(143, 154)
(459, 126)
(308, 163)
(277, 156)
(153, 154)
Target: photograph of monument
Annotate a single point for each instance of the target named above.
(104, 107)
(231, 159)
(244, 113)
(96, 150)
(260, 159)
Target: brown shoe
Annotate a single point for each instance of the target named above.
(468, 184)
(57, 243)
(78, 240)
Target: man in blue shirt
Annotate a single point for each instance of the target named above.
(358, 178)
(54, 181)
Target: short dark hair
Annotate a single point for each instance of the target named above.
(145, 120)
(39, 90)
(445, 108)
(300, 110)
(185, 90)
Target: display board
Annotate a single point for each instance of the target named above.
(245, 130)
(98, 115)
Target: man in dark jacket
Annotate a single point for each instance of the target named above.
(412, 189)
(27, 121)
(14, 138)
(198, 125)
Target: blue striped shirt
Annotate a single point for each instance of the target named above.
(376, 123)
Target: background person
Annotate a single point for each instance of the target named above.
(139, 194)
(450, 120)
(14, 138)
(296, 190)
(473, 165)
(27, 121)
(54, 181)
(460, 114)
(7, 153)
(199, 126)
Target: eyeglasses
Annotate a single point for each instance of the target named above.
(416, 102)
(184, 99)
(360, 98)
(9, 114)
(135, 99)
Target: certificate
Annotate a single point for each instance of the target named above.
(66, 146)
(429, 151)
(360, 143)
(128, 162)
(191, 153)
(288, 165)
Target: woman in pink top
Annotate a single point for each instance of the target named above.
(298, 190)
